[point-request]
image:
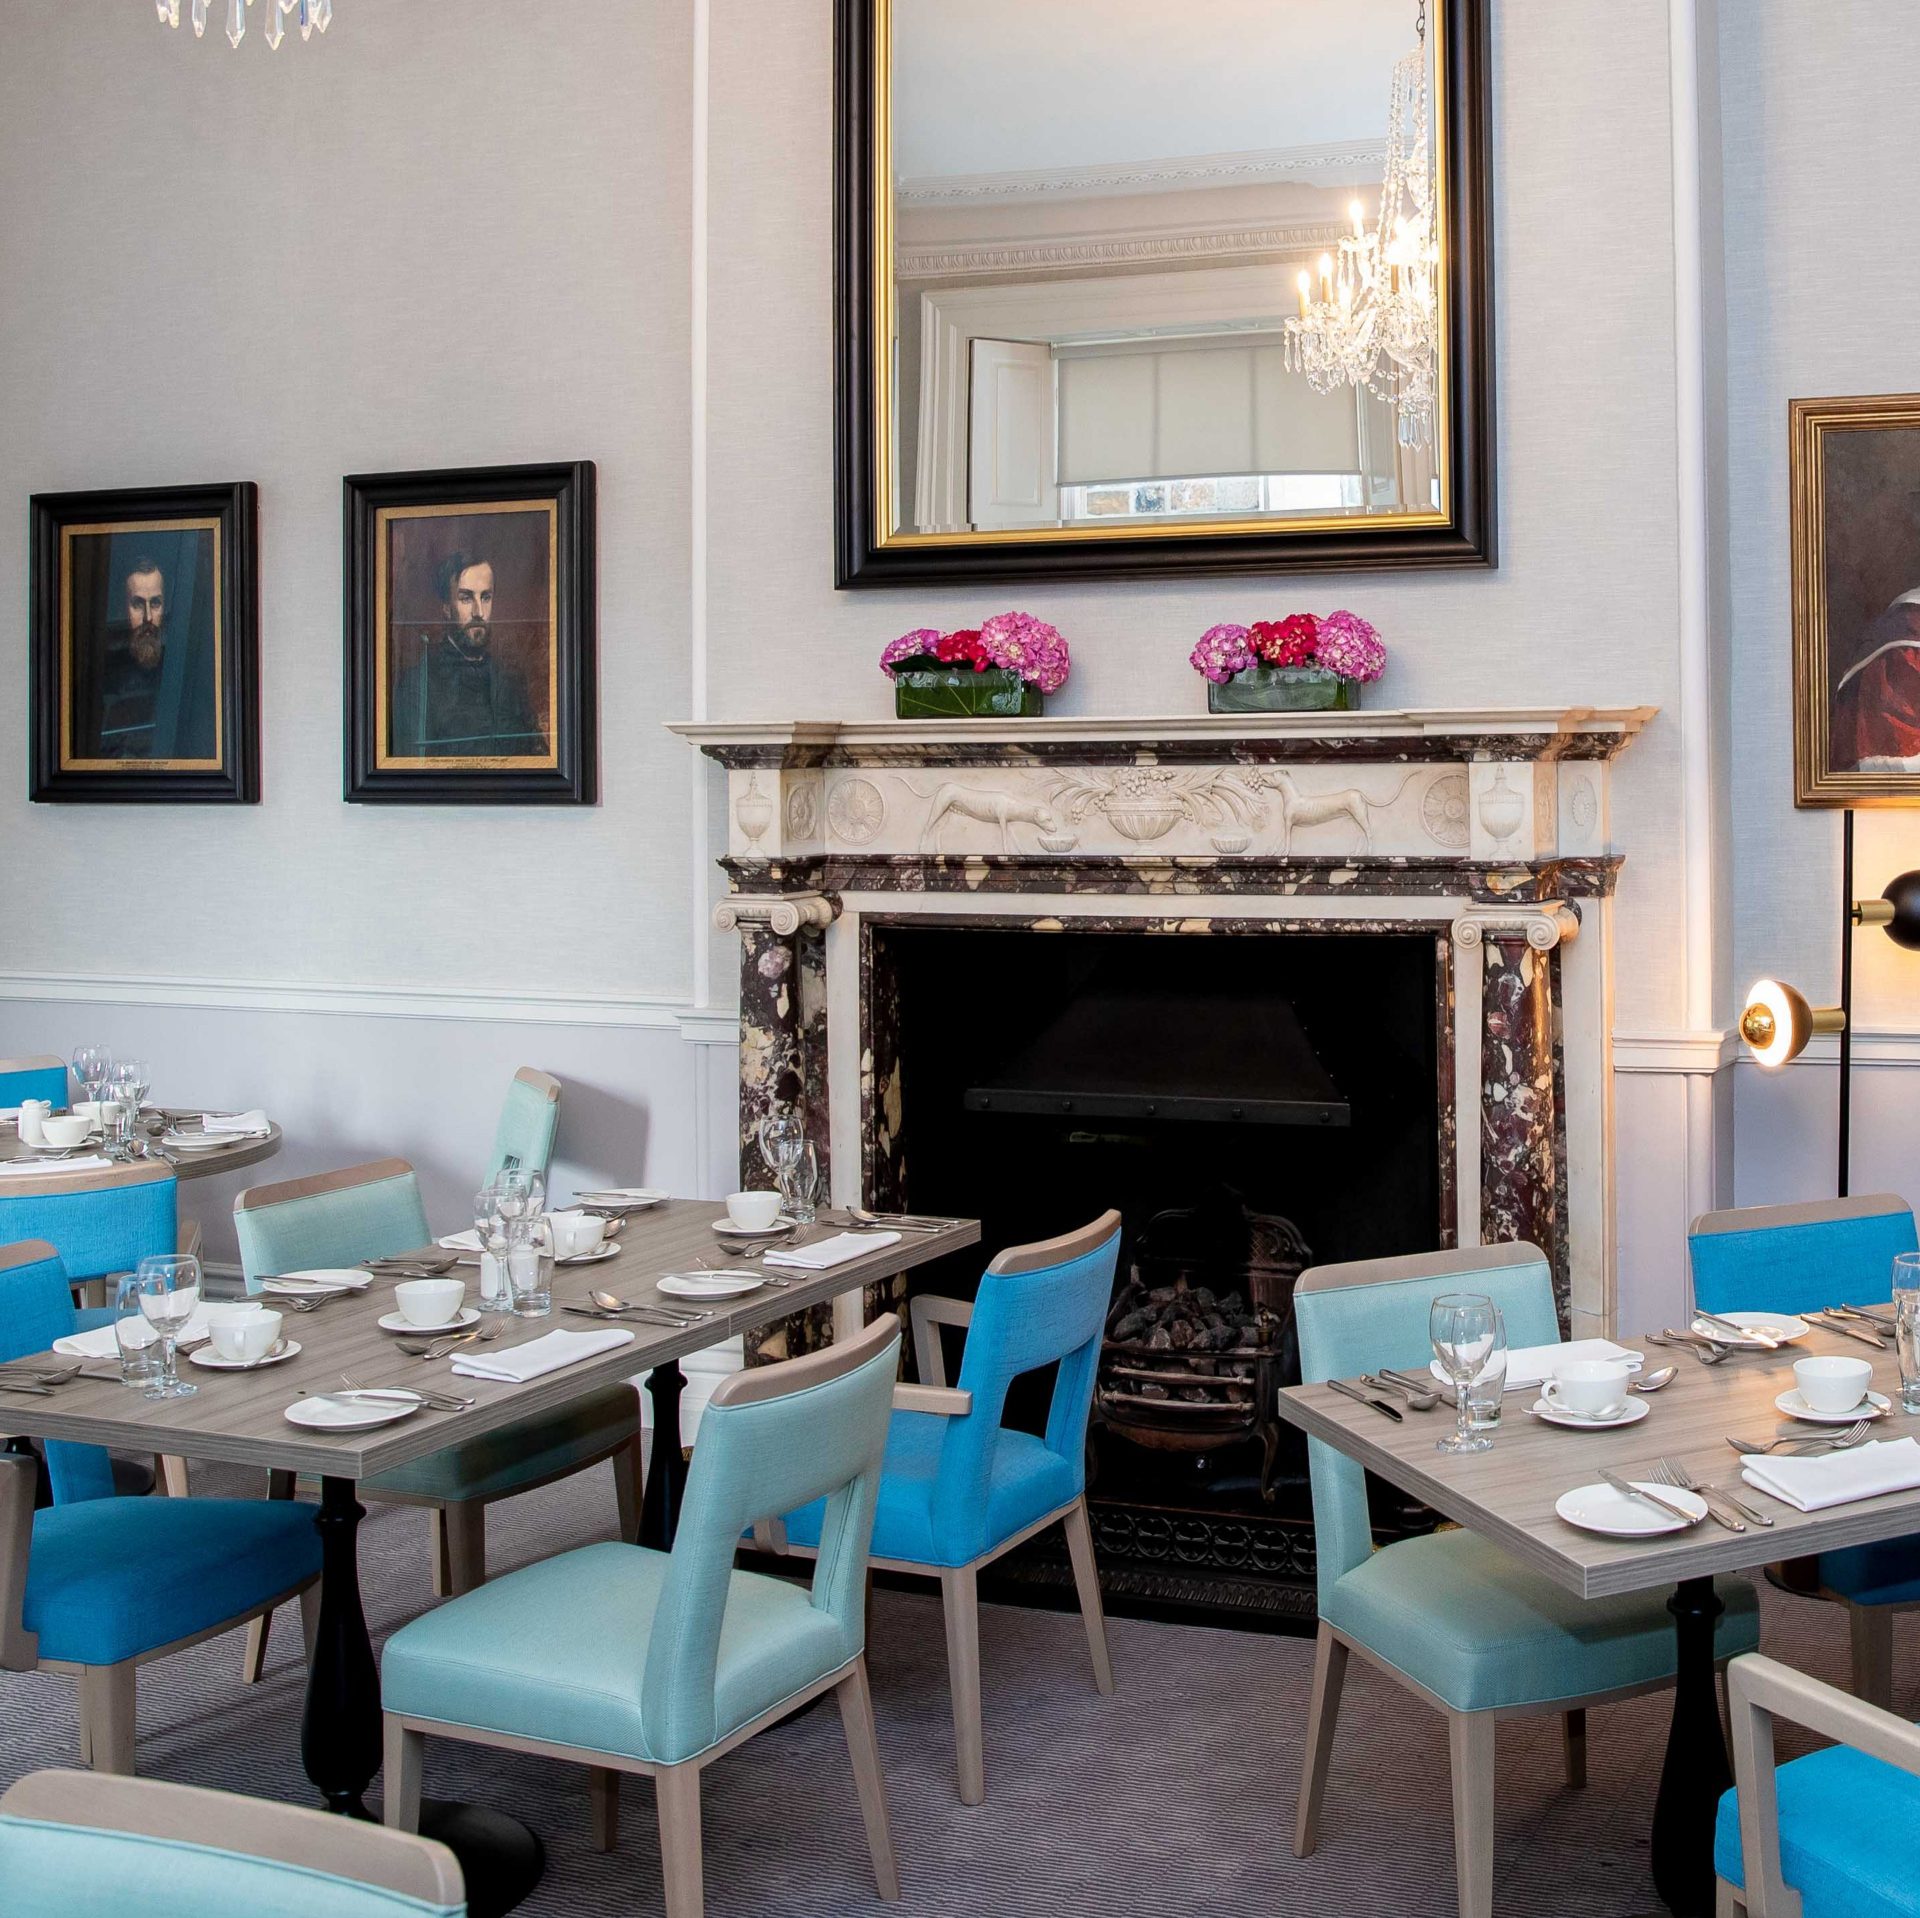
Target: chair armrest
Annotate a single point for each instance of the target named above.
(1758, 1690)
(19, 1476)
(925, 1313)
(941, 1400)
(188, 1240)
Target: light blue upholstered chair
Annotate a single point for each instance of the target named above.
(1829, 1835)
(100, 1222)
(1457, 1621)
(76, 1845)
(630, 1660)
(42, 1077)
(959, 1488)
(528, 1121)
(374, 1211)
(97, 1585)
(1798, 1258)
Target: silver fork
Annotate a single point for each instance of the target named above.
(1674, 1472)
(440, 1401)
(439, 1348)
(1840, 1441)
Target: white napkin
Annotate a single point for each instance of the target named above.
(828, 1253)
(1838, 1478)
(100, 1343)
(538, 1357)
(1530, 1366)
(39, 1168)
(467, 1241)
(239, 1125)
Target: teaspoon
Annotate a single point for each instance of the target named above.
(1654, 1380)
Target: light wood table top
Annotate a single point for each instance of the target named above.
(239, 1417)
(186, 1165)
(1508, 1493)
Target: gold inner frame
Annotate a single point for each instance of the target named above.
(383, 519)
(880, 371)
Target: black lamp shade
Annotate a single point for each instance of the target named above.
(1903, 894)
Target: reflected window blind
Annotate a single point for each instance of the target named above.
(1196, 409)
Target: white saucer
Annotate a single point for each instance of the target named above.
(1875, 1405)
(399, 1322)
(636, 1197)
(608, 1250)
(324, 1413)
(207, 1356)
(1782, 1325)
(318, 1282)
(708, 1285)
(728, 1230)
(203, 1142)
(1599, 1508)
(1629, 1414)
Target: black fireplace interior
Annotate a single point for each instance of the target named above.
(1216, 1088)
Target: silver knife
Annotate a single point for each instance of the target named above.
(1628, 1489)
(1739, 1504)
(1360, 1398)
(1745, 1333)
(1850, 1331)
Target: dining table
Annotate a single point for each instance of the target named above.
(240, 1418)
(195, 1162)
(1508, 1494)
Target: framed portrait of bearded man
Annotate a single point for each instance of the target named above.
(145, 646)
(470, 636)
(1855, 466)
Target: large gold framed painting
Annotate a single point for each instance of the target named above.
(1855, 467)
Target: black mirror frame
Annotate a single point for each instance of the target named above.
(1468, 540)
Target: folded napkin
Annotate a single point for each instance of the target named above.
(467, 1241)
(39, 1168)
(1530, 1366)
(538, 1357)
(237, 1125)
(100, 1343)
(1838, 1478)
(827, 1253)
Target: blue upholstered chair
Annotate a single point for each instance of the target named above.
(373, 1211)
(528, 1121)
(76, 1845)
(1456, 1620)
(44, 1077)
(629, 1660)
(99, 1222)
(959, 1488)
(97, 1585)
(1798, 1258)
(1829, 1835)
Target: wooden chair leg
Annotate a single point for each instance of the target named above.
(629, 1476)
(1727, 1903)
(1323, 1713)
(960, 1600)
(310, 1618)
(1870, 1628)
(173, 1476)
(107, 1707)
(437, 1550)
(404, 1756)
(856, 1715)
(1573, 1743)
(465, 1527)
(253, 1661)
(1470, 1745)
(603, 1794)
(1086, 1580)
(678, 1790)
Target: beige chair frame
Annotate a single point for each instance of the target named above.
(677, 1786)
(1759, 1690)
(290, 1835)
(1470, 1735)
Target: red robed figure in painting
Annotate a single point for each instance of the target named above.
(1876, 707)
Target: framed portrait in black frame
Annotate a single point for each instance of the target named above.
(470, 652)
(145, 654)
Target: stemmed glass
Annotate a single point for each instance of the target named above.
(1463, 1326)
(169, 1289)
(783, 1138)
(91, 1066)
(129, 1082)
(1906, 1326)
(503, 1214)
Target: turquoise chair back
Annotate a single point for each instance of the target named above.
(528, 1121)
(36, 1307)
(1798, 1258)
(771, 1438)
(1360, 1316)
(1037, 1305)
(99, 1222)
(44, 1077)
(334, 1219)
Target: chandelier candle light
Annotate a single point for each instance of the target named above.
(314, 16)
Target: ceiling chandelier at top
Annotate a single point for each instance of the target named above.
(312, 15)
(1374, 318)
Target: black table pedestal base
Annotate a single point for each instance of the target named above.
(500, 1859)
(1696, 1772)
(666, 1467)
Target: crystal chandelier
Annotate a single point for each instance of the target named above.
(1374, 319)
(312, 14)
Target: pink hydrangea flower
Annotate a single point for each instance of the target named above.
(1351, 647)
(918, 644)
(1029, 647)
(1222, 652)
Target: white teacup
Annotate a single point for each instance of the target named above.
(64, 1129)
(576, 1232)
(430, 1301)
(87, 1109)
(753, 1211)
(1832, 1384)
(1590, 1388)
(242, 1333)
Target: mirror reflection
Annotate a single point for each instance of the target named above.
(1162, 264)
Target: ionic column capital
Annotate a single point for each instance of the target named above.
(1543, 927)
(783, 913)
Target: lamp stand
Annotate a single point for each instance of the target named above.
(1846, 999)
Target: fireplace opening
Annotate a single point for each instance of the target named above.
(1251, 1103)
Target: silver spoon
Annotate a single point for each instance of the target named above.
(1654, 1380)
(1840, 1442)
(1416, 1401)
(612, 1302)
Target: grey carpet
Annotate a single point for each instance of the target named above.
(1174, 1797)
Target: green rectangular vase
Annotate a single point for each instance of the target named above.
(1282, 689)
(961, 693)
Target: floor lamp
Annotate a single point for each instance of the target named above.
(1777, 1021)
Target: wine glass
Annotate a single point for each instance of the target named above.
(91, 1065)
(1462, 1326)
(129, 1082)
(169, 1289)
(783, 1137)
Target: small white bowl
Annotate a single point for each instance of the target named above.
(1832, 1384)
(753, 1211)
(429, 1301)
(63, 1129)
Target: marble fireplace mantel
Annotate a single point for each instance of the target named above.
(1487, 827)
